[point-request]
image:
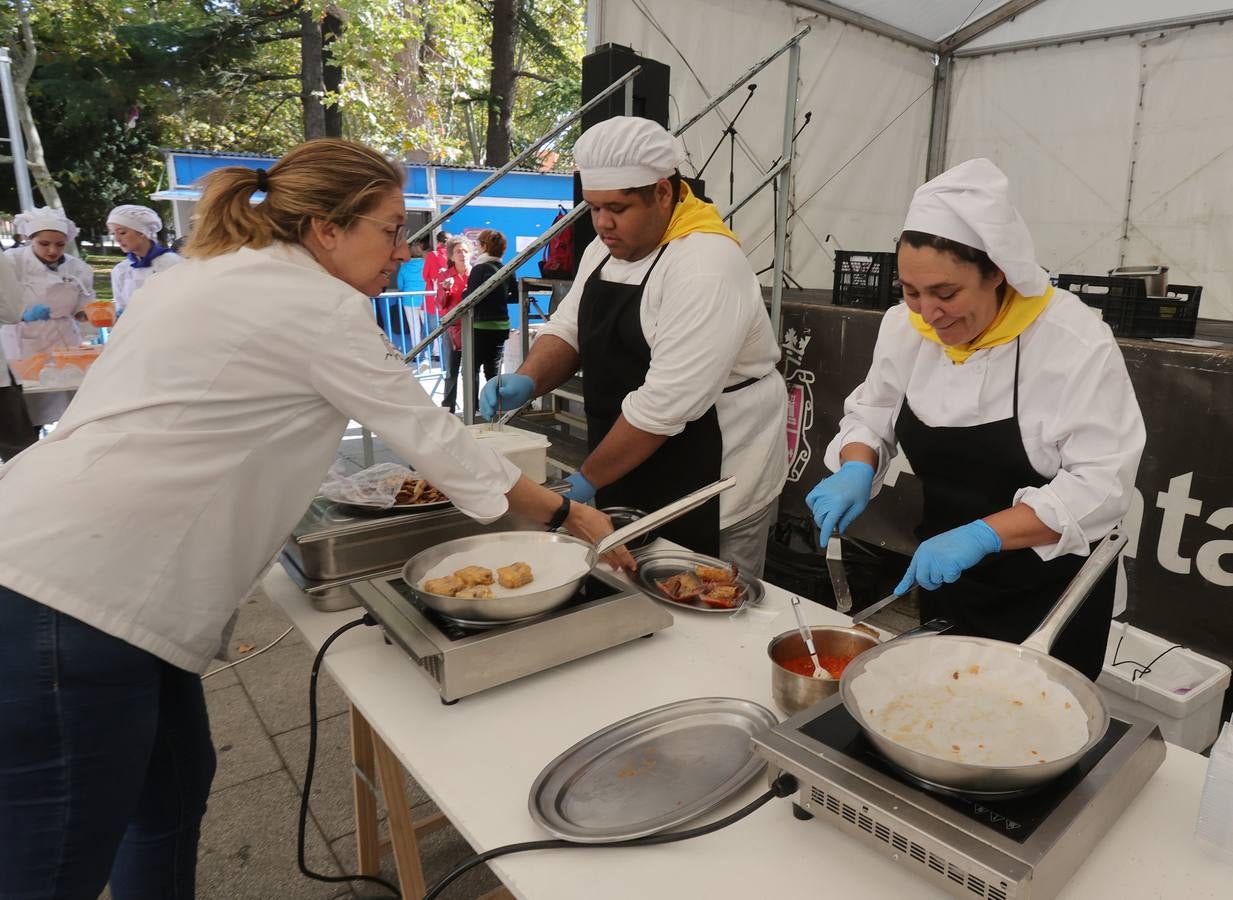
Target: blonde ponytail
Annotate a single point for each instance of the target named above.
(328, 179)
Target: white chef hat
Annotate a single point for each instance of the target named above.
(44, 218)
(970, 203)
(626, 152)
(137, 218)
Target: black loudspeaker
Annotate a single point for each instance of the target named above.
(599, 69)
(608, 63)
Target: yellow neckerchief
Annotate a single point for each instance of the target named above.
(692, 216)
(1016, 314)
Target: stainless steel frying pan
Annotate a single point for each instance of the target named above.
(524, 606)
(993, 781)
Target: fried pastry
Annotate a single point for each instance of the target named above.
(716, 574)
(444, 587)
(514, 575)
(684, 586)
(475, 592)
(473, 575)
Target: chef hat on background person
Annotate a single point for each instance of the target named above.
(970, 203)
(136, 218)
(626, 152)
(44, 218)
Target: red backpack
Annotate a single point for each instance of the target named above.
(558, 261)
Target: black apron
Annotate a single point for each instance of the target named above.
(966, 474)
(17, 431)
(615, 359)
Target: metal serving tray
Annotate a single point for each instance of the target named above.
(330, 543)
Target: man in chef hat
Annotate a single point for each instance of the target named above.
(667, 322)
(135, 228)
(1011, 401)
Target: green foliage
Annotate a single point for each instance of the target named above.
(117, 80)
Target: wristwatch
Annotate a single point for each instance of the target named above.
(559, 517)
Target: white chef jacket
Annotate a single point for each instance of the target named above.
(11, 309)
(66, 290)
(186, 460)
(1080, 421)
(125, 280)
(703, 318)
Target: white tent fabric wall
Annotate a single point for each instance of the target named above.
(1066, 124)
(856, 84)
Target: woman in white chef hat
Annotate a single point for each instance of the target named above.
(136, 229)
(55, 287)
(1011, 401)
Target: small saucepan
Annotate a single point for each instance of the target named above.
(794, 691)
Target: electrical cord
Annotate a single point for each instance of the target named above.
(366, 619)
(783, 786)
(236, 662)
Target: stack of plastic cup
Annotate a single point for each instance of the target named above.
(1214, 827)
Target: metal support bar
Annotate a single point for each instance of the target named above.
(770, 176)
(1098, 34)
(939, 121)
(629, 97)
(17, 141)
(626, 79)
(468, 366)
(868, 23)
(785, 185)
(984, 24)
(749, 73)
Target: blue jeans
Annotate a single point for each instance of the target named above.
(105, 763)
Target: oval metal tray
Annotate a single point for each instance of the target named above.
(656, 565)
(652, 771)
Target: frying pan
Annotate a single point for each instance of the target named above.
(979, 779)
(516, 607)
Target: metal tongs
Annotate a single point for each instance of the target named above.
(664, 514)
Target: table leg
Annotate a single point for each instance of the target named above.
(363, 782)
(402, 829)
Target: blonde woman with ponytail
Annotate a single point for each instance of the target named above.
(131, 534)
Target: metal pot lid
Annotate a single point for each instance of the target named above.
(651, 771)
(656, 565)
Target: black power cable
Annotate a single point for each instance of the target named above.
(366, 619)
(783, 786)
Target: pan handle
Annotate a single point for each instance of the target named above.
(664, 514)
(1076, 592)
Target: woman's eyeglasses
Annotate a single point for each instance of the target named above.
(401, 232)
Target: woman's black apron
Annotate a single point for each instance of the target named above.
(968, 473)
(615, 360)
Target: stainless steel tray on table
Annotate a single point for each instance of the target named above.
(657, 565)
(651, 771)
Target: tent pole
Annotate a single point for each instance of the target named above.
(939, 122)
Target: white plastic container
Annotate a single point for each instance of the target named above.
(1214, 826)
(525, 449)
(1182, 693)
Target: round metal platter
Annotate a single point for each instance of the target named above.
(656, 565)
(652, 771)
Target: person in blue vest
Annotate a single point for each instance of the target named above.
(1011, 401)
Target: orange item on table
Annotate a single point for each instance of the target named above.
(81, 357)
(28, 369)
(101, 313)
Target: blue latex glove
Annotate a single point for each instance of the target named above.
(515, 391)
(580, 490)
(837, 500)
(944, 557)
(37, 313)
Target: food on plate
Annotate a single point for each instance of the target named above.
(721, 596)
(417, 490)
(832, 666)
(515, 575)
(716, 574)
(473, 575)
(682, 586)
(445, 587)
(475, 592)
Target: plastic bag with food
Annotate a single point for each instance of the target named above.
(376, 486)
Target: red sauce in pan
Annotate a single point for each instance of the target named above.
(803, 665)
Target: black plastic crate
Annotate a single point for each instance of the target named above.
(867, 279)
(1129, 312)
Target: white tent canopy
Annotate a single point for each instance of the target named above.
(1112, 118)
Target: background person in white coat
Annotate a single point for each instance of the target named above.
(135, 228)
(130, 536)
(1011, 401)
(667, 321)
(17, 432)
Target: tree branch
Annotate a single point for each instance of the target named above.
(521, 73)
